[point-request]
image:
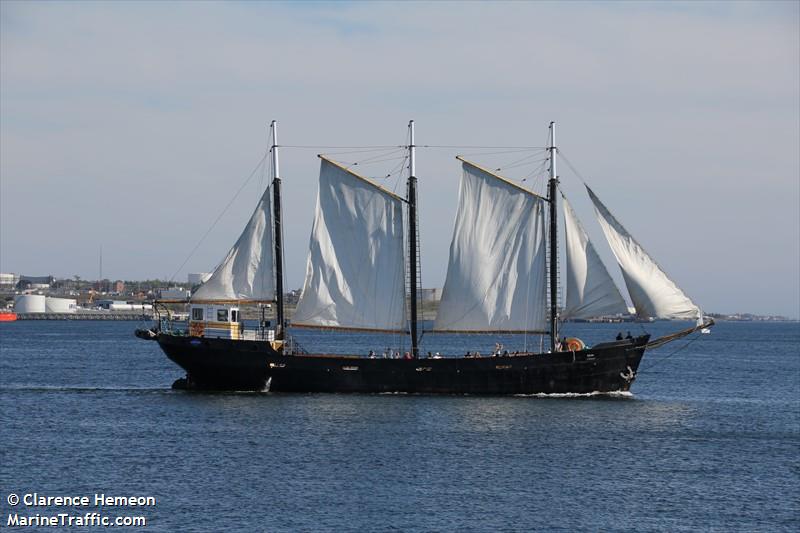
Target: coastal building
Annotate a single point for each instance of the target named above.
(8, 281)
(174, 293)
(34, 282)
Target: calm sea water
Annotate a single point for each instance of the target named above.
(709, 440)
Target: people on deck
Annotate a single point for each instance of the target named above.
(629, 336)
(619, 336)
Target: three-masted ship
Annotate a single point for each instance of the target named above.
(362, 276)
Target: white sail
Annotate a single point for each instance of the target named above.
(246, 273)
(496, 278)
(590, 290)
(652, 292)
(355, 271)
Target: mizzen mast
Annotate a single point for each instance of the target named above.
(412, 240)
(278, 233)
(552, 196)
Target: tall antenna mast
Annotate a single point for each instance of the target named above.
(278, 233)
(552, 195)
(412, 238)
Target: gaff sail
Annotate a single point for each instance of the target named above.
(496, 276)
(355, 269)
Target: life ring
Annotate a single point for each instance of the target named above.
(574, 344)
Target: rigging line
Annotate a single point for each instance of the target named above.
(539, 171)
(526, 160)
(373, 148)
(472, 146)
(569, 164)
(403, 166)
(398, 168)
(376, 147)
(535, 150)
(536, 174)
(224, 210)
(662, 359)
(519, 163)
(367, 163)
(370, 161)
(349, 152)
(377, 157)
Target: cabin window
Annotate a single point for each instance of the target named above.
(234, 316)
(197, 313)
(222, 315)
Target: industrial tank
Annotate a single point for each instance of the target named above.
(29, 303)
(60, 305)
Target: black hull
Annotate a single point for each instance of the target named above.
(220, 364)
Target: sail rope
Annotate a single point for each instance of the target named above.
(221, 214)
(388, 146)
(572, 167)
(501, 152)
(662, 359)
(370, 161)
(524, 162)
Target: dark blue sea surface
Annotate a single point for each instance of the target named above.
(709, 440)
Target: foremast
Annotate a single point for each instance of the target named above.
(412, 241)
(552, 196)
(278, 234)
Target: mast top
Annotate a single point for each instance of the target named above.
(411, 150)
(274, 149)
(553, 150)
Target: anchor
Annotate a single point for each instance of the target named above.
(628, 376)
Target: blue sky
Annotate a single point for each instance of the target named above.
(132, 124)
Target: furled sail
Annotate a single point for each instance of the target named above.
(355, 271)
(496, 277)
(246, 273)
(590, 290)
(652, 292)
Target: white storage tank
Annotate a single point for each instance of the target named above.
(30, 303)
(60, 305)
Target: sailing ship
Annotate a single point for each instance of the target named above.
(362, 276)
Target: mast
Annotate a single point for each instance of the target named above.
(412, 239)
(552, 195)
(278, 237)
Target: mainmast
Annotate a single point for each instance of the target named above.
(278, 237)
(412, 239)
(552, 195)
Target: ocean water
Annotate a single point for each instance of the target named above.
(708, 440)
